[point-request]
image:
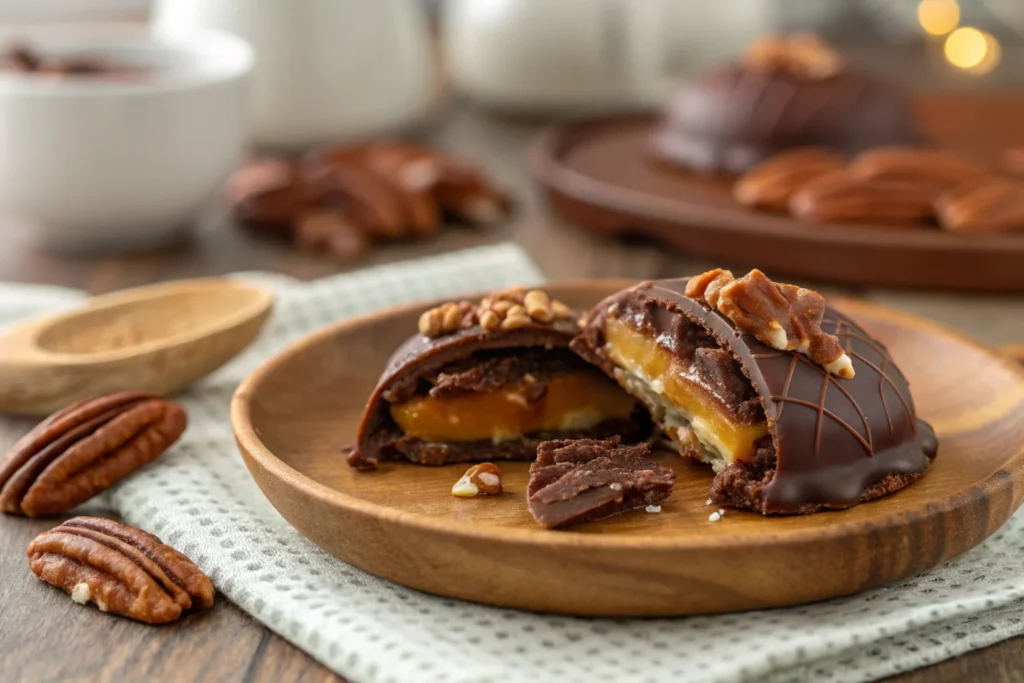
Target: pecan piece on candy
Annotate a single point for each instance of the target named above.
(84, 449)
(120, 569)
(803, 55)
(784, 317)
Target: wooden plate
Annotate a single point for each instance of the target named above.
(294, 415)
(600, 174)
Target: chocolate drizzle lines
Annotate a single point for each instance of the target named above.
(789, 380)
(821, 411)
(867, 439)
(829, 413)
(885, 379)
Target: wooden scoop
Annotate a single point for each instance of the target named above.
(159, 339)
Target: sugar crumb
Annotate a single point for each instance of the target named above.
(715, 516)
(653, 508)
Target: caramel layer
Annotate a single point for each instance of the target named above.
(641, 355)
(576, 401)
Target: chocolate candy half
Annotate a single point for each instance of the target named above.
(467, 392)
(784, 435)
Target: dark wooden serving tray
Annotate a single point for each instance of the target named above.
(600, 174)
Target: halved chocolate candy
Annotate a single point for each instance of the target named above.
(784, 434)
(475, 394)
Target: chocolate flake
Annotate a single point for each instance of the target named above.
(585, 479)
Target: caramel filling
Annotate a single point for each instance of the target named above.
(709, 421)
(573, 402)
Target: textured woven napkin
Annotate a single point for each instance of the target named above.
(199, 497)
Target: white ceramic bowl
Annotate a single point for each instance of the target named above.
(102, 164)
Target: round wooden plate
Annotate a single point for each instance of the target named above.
(294, 416)
(601, 175)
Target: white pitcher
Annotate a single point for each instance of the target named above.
(326, 70)
(553, 55)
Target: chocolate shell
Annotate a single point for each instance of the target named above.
(421, 358)
(734, 117)
(833, 442)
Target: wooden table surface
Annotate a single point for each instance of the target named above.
(44, 636)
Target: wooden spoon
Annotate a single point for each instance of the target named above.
(159, 338)
(1014, 351)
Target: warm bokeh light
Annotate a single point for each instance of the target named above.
(966, 47)
(973, 50)
(938, 17)
(993, 55)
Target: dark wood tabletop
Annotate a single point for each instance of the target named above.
(46, 637)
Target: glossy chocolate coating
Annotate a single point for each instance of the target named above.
(834, 438)
(733, 117)
(421, 356)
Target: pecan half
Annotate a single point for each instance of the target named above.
(330, 232)
(987, 204)
(120, 569)
(931, 169)
(84, 449)
(770, 184)
(841, 197)
(784, 317)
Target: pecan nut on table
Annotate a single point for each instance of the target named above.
(120, 569)
(341, 200)
(84, 449)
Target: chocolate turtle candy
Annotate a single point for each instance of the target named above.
(490, 382)
(784, 93)
(783, 433)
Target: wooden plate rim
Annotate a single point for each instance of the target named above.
(545, 158)
(1000, 481)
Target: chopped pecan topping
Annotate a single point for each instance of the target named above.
(985, 204)
(120, 569)
(510, 309)
(803, 55)
(784, 317)
(84, 449)
(479, 480)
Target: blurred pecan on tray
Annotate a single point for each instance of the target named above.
(927, 169)
(120, 569)
(841, 197)
(383, 191)
(84, 449)
(985, 204)
(770, 184)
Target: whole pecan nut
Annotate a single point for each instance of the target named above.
(120, 569)
(841, 197)
(84, 449)
(986, 204)
(770, 184)
(934, 169)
